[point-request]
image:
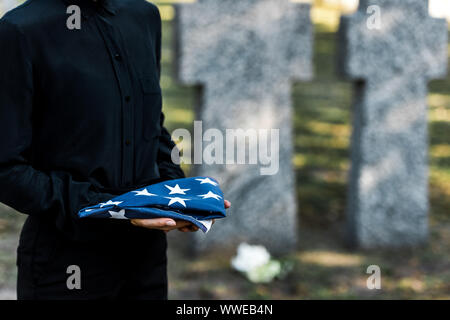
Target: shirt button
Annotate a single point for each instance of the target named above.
(118, 57)
(127, 142)
(127, 98)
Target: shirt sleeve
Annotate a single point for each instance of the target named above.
(54, 194)
(167, 169)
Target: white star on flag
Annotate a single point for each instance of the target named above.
(118, 215)
(177, 200)
(144, 193)
(207, 180)
(176, 189)
(112, 203)
(210, 195)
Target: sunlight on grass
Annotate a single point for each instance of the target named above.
(439, 114)
(436, 99)
(328, 128)
(330, 258)
(179, 115)
(327, 14)
(320, 141)
(166, 7)
(440, 151)
(209, 265)
(328, 19)
(411, 283)
(167, 12)
(299, 160)
(441, 179)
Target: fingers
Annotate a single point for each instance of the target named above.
(154, 223)
(164, 224)
(167, 224)
(191, 228)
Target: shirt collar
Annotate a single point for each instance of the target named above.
(89, 7)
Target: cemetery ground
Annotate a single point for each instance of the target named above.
(324, 267)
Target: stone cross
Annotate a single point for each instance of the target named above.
(245, 54)
(391, 49)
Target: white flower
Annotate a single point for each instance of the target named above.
(265, 273)
(250, 257)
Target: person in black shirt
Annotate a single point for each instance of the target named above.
(81, 122)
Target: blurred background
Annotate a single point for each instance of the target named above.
(322, 267)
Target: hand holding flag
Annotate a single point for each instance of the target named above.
(167, 224)
(185, 204)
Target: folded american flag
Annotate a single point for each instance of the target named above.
(198, 200)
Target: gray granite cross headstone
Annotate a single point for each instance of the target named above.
(391, 60)
(245, 54)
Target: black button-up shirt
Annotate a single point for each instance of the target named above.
(80, 109)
